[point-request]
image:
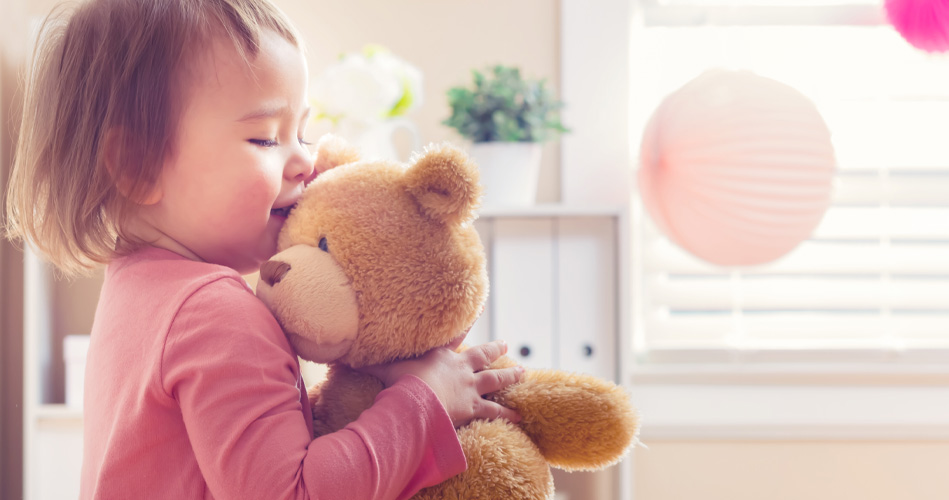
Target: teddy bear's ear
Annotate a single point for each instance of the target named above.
(445, 183)
(332, 151)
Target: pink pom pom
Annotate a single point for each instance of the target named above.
(923, 23)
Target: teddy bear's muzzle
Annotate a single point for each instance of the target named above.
(273, 271)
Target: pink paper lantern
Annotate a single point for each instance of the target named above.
(923, 23)
(736, 168)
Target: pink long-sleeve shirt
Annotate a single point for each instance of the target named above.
(192, 391)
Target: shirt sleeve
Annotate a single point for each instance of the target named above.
(236, 380)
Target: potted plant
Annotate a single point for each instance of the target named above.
(506, 118)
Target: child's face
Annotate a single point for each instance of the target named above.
(239, 156)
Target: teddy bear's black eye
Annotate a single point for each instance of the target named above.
(323, 245)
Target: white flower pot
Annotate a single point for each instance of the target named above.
(509, 172)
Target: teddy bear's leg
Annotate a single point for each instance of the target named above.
(579, 422)
(503, 463)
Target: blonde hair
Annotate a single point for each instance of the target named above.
(110, 70)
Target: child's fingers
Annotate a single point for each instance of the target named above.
(489, 381)
(481, 357)
(492, 411)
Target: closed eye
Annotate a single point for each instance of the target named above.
(264, 143)
(269, 143)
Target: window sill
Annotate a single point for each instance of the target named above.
(774, 403)
(797, 374)
(855, 366)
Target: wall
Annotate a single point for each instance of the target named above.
(790, 470)
(11, 320)
(445, 40)
(11, 270)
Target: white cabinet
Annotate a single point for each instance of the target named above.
(557, 296)
(555, 281)
(523, 288)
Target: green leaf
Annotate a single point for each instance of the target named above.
(501, 106)
(404, 102)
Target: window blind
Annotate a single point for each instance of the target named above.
(874, 275)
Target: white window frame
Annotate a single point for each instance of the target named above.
(830, 400)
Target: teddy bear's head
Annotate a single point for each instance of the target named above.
(378, 260)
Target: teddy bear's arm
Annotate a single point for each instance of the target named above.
(341, 398)
(579, 422)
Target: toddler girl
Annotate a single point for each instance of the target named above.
(164, 138)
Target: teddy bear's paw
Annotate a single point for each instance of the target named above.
(502, 463)
(579, 422)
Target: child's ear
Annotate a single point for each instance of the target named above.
(127, 186)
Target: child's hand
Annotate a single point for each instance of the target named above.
(459, 379)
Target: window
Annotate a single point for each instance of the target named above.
(872, 282)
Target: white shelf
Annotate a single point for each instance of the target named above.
(58, 413)
(551, 210)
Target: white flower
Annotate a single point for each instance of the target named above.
(371, 85)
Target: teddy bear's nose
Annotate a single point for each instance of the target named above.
(273, 271)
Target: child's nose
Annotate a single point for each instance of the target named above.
(299, 168)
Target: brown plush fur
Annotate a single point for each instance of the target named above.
(404, 270)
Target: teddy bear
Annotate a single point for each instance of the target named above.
(380, 261)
